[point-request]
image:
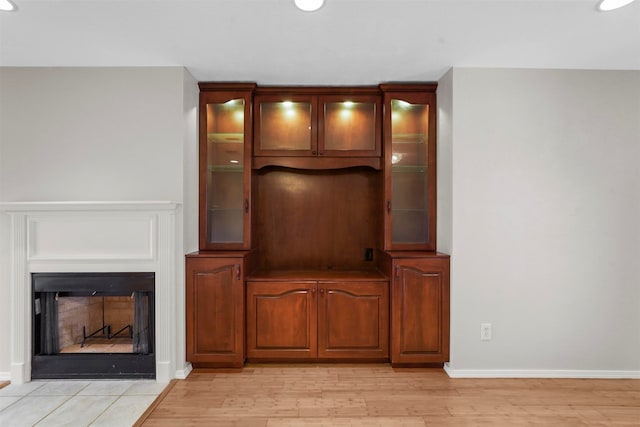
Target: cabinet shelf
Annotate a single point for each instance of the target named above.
(218, 209)
(409, 210)
(409, 138)
(315, 274)
(225, 168)
(409, 169)
(226, 138)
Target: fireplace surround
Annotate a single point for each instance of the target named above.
(103, 237)
(93, 325)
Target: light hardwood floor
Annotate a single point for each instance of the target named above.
(377, 395)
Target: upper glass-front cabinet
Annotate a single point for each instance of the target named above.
(317, 125)
(225, 168)
(349, 126)
(410, 159)
(285, 126)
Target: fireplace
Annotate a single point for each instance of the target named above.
(93, 236)
(93, 325)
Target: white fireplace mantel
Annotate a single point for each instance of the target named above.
(93, 237)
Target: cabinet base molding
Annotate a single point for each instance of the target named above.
(539, 373)
(346, 360)
(218, 370)
(417, 365)
(217, 365)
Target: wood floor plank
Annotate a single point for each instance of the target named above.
(377, 395)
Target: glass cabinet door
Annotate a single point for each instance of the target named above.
(349, 126)
(225, 171)
(285, 126)
(410, 162)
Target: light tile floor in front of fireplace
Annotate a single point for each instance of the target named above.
(77, 403)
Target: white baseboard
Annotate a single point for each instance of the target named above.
(539, 373)
(182, 374)
(5, 376)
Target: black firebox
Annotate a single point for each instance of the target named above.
(93, 325)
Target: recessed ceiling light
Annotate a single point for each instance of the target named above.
(607, 5)
(7, 6)
(309, 5)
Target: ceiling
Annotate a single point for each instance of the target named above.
(346, 42)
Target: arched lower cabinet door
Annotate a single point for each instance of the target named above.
(215, 311)
(420, 310)
(281, 320)
(353, 320)
(317, 320)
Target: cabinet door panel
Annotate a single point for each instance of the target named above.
(420, 317)
(349, 126)
(353, 320)
(420, 312)
(213, 312)
(410, 160)
(225, 167)
(281, 320)
(215, 320)
(285, 125)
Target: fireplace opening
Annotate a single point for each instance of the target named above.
(93, 325)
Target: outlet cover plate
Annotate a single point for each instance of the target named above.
(485, 331)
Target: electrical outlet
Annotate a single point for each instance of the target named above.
(485, 331)
(368, 254)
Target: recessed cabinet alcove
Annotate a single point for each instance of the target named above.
(317, 227)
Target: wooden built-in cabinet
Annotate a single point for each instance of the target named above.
(282, 319)
(215, 296)
(420, 307)
(317, 122)
(317, 227)
(410, 167)
(317, 319)
(225, 166)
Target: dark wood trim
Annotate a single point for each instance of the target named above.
(226, 86)
(399, 367)
(317, 90)
(318, 275)
(317, 163)
(217, 254)
(408, 87)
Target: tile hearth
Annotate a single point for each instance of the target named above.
(77, 403)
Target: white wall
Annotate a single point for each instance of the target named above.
(91, 134)
(541, 214)
(97, 134)
(188, 216)
(5, 299)
(190, 163)
(545, 233)
(444, 202)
